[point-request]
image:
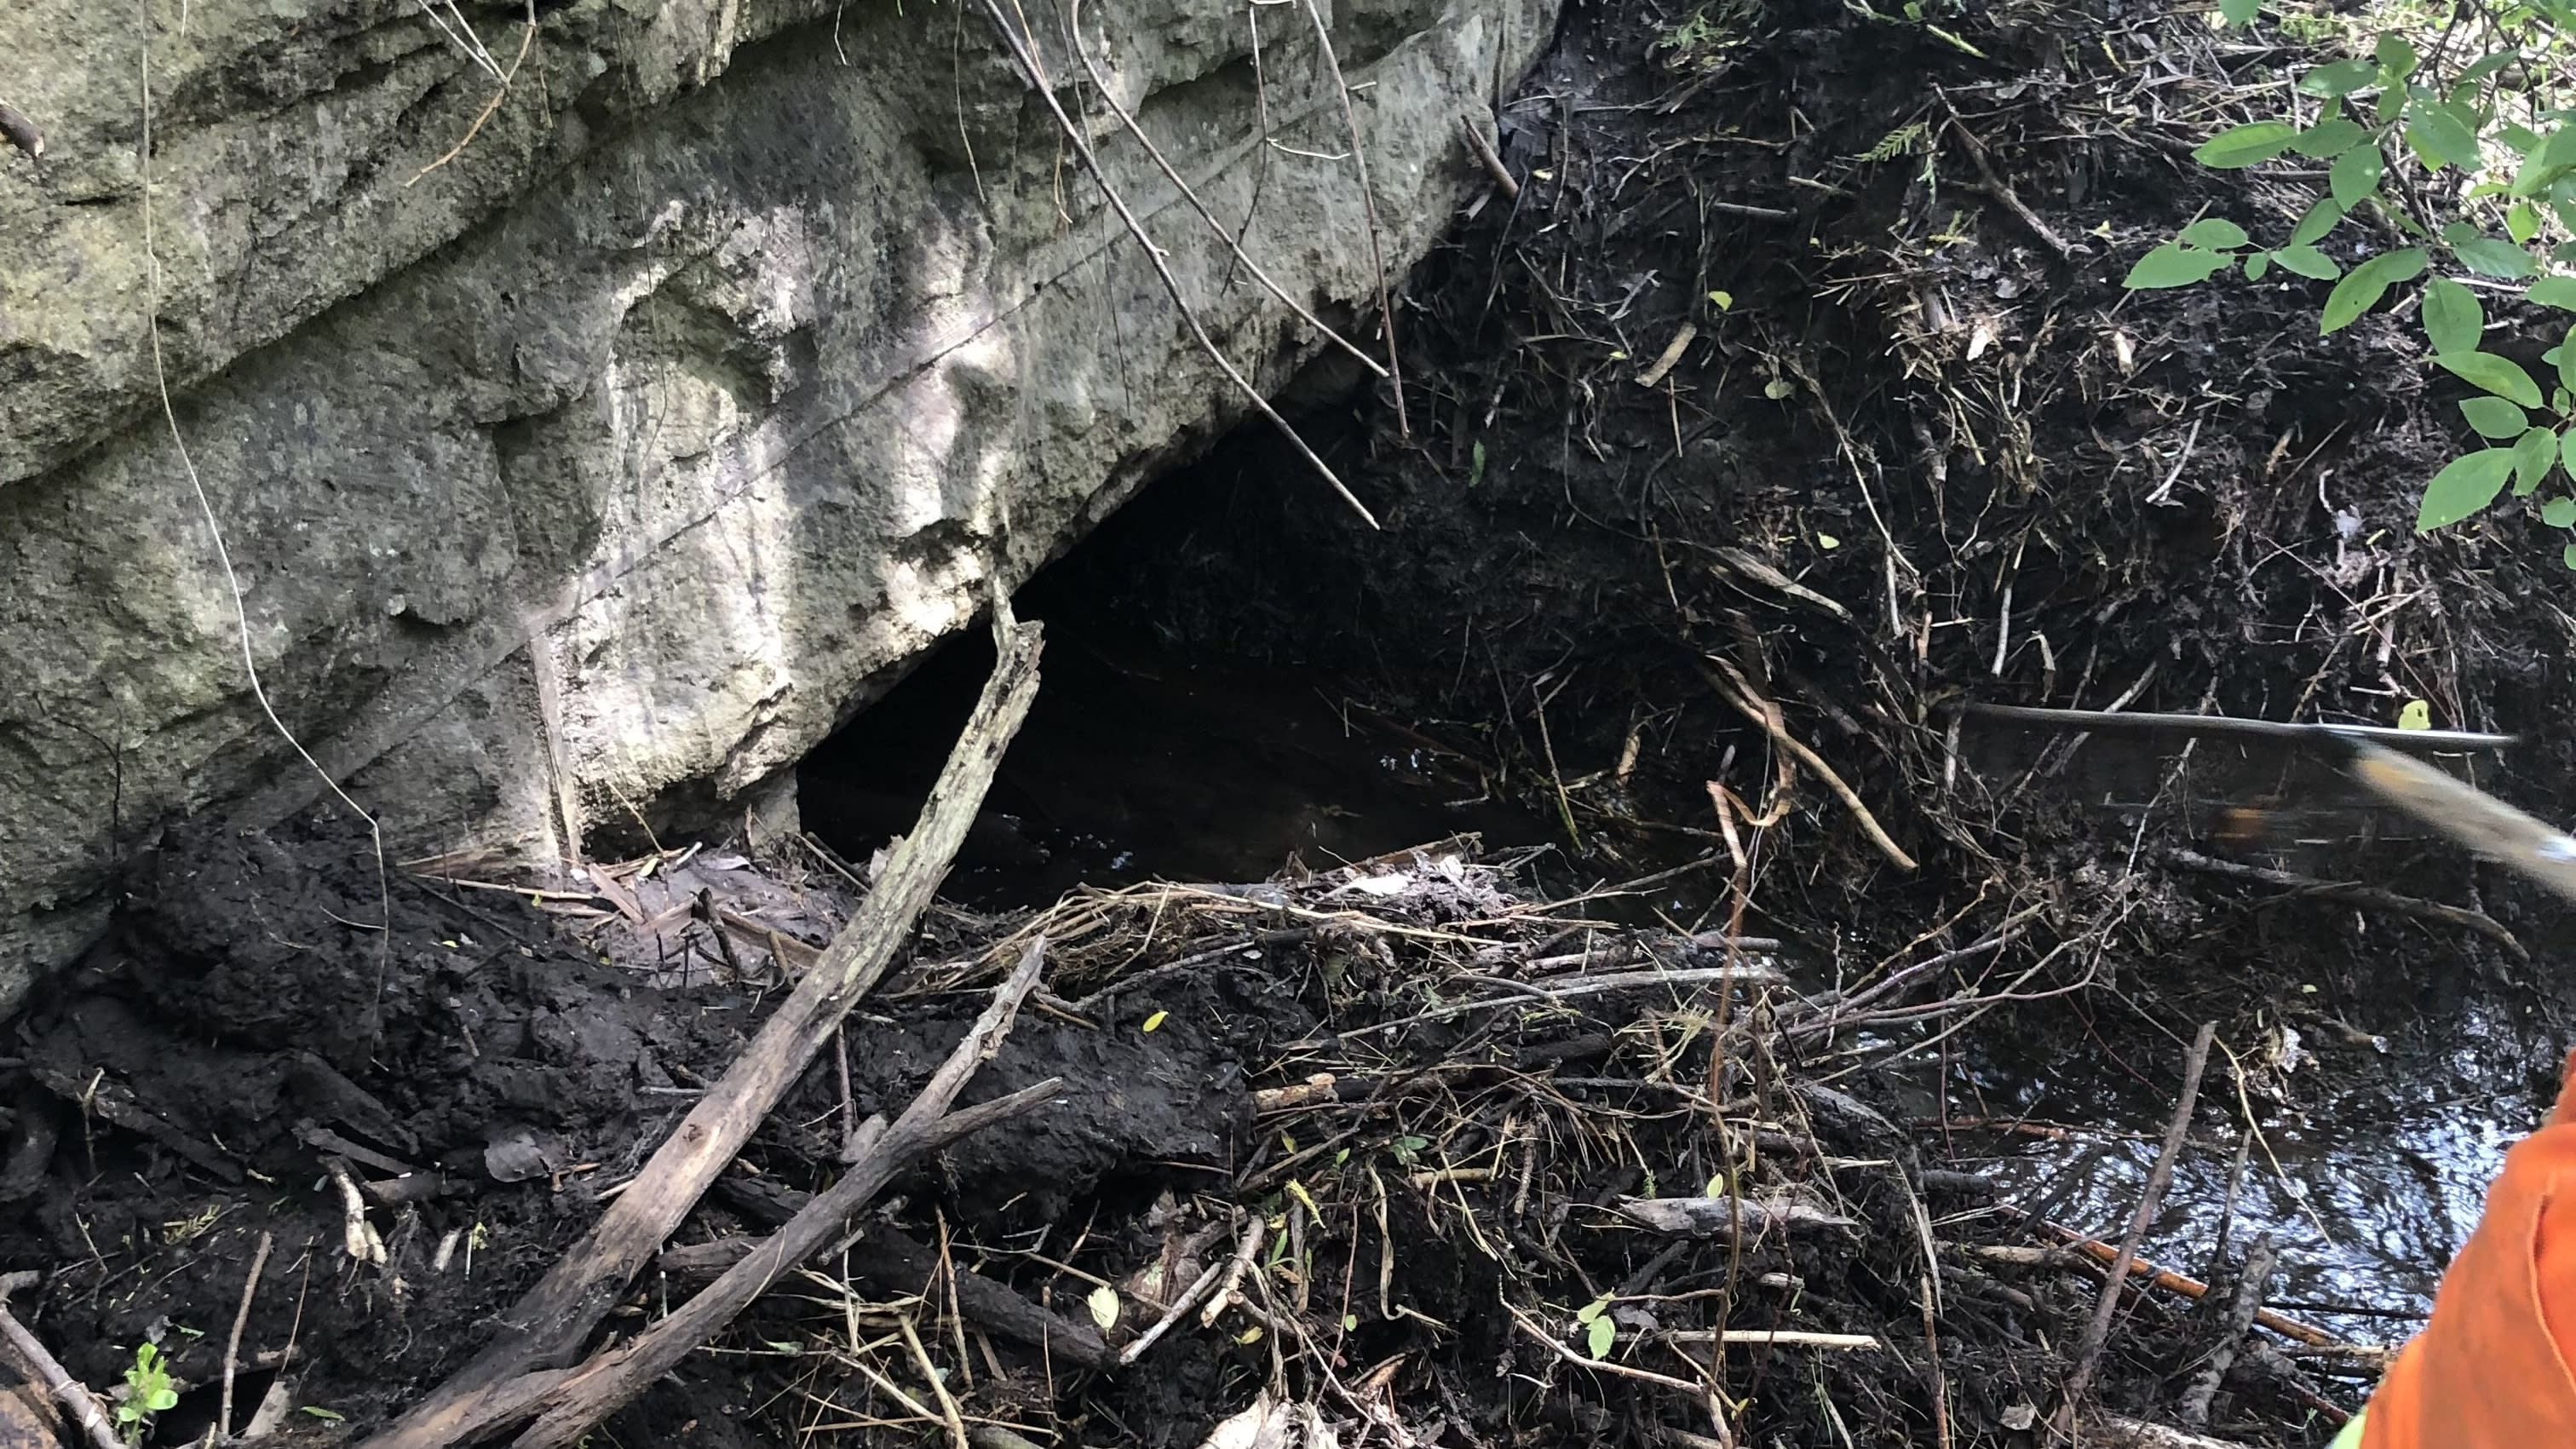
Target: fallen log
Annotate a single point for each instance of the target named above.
(601, 1387)
(549, 1325)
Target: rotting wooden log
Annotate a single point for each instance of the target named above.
(605, 1384)
(548, 1325)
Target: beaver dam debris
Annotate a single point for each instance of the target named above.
(1397, 1152)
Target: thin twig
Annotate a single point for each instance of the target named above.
(1604, 1365)
(1109, 96)
(1081, 143)
(2088, 1358)
(1769, 719)
(527, 37)
(232, 1345)
(1368, 205)
(2356, 894)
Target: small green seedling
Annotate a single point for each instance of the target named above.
(1599, 1333)
(148, 1391)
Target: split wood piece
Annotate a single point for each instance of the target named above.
(605, 1384)
(1739, 692)
(2251, 1283)
(548, 1325)
(66, 1390)
(2355, 894)
(1774, 1338)
(1723, 1217)
(897, 1262)
(1508, 184)
(2097, 1333)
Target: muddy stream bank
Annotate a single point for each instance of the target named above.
(1791, 403)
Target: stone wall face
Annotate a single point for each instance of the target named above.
(740, 351)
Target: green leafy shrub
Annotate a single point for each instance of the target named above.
(2468, 158)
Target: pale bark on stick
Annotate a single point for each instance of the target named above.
(604, 1385)
(549, 1325)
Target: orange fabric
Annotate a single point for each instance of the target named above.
(2490, 1371)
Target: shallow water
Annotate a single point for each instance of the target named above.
(2372, 1161)
(2369, 1171)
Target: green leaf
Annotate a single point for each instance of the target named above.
(2496, 418)
(2559, 512)
(2319, 219)
(2242, 146)
(2533, 453)
(2396, 56)
(2453, 319)
(2439, 138)
(2489, 64)
(2465, 485)
(2559, 149)
(2308, 262)
(2173, 265)
(2354, 175)
(2363, 286)
(1599, 1335)
(2256, 264)
(1103, 1304)
(2213, 231)
(2238, 12)
(2569, 557)
(2566, 359)
(2415, 714)
(2552, 292)
(2490, 256)
(2330, 138)
(2522, 222)
(2567, 452)
(2339, 79)
(2499, 375)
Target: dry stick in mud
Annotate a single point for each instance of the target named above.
(573, 1405)
(2088, 1357)
(548, 1325)
(68, 1391)
(1080, 141)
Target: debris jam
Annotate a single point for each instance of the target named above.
(1792, 1062)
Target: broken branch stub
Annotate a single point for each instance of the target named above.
(547, 1327)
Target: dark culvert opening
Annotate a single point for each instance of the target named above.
(1210, 709)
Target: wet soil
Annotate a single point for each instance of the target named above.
(1916, 449)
